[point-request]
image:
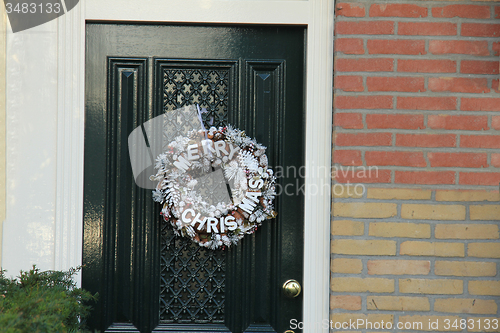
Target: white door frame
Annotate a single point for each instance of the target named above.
(318, 15)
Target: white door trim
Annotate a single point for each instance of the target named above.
(318, 15)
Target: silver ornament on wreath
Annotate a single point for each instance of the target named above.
(215, 185)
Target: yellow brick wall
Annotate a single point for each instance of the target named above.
(410, 256)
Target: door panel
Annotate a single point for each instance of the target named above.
(192, 278)
(148, 279)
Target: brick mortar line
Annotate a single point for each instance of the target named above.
(411, 312)
(406, 276)
(490, 84)
(417, 75)
(459, 66)
(426, 130)
(458, 141)
(420, 276)
(450, 56)
(426, 122)
(420, 94)
(459, 25)
(431, 222)
(438, 94)
(430, 276)
(420, 149)
(433, 194)
(408, 312)
(419, 37)
(428, 162)
(425, 93)
(404, 257)
(433, 236)
(420, 112)
(405, 131)
(414, 168)
(428, 186)
(396, 313)
(413, 202)
(434, 296)
(428, 19)
(416, 221)
(366, 220)
(459, 100)
(401, 111)
(399, 256)
(427, 56)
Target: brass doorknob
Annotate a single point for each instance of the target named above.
(291, 288)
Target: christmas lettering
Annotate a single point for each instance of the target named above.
(208, 147)
(213, 224)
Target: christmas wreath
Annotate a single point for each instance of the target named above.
(215, 186)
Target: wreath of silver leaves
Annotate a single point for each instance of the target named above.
(176, 189)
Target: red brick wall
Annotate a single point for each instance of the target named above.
(417, 99)
(419, 80)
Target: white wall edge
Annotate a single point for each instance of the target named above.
(70, 136)
(318, 130)
(202, 11)
(317, 14)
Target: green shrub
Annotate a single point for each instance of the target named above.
(43, 302)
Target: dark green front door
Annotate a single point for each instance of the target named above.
(148, 280)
